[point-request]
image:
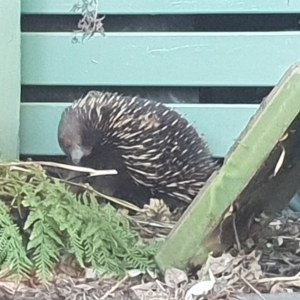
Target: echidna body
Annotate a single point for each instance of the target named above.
(156, 147)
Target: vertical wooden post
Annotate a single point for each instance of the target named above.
(10, 78)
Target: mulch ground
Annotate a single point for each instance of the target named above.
(266, 266)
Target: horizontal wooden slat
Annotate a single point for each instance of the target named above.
(159, 59)
(221, 124)
(166, 6)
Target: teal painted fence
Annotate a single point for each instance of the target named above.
(167, 6)
(9, 78)
(190, 59)
(159, 59)
(42, 120)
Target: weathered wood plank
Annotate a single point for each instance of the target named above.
(245, 181)
(166, 6)
(9, 78)
(159, 59)
(221, 125)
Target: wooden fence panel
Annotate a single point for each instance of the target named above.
(159, 59)
(167, 6)
(9, 78)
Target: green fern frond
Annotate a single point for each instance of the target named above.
(15, 254)
(59, 222)
(4, 236)
(5, 217)
(76, 247)
(45, 256)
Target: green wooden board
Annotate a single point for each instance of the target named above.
(9, 78)
(221, 125)
(250, 163)
(159, 59)
(166, 6)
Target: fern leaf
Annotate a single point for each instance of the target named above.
(16, 258)
(33, 216)
(44, 257)
(5, 218)
(76, 247)
(3, 243)
(53, 235)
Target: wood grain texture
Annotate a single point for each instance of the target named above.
(159, 59)
(221, 124)
(9, 78)
(166, 6)
(201, 225)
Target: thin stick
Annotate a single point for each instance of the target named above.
(292, 278)
(169, 225)
(114, 287)
(92, 172)
(235, 233)
(112, 199)
(253, 288)
(85, 187)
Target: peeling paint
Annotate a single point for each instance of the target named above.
(161, 50)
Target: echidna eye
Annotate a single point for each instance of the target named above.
(67, 144)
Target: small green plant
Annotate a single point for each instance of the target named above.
(90, 23)
(58, 222)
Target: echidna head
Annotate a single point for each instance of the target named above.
(72, 137)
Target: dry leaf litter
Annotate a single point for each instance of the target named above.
(268, 264)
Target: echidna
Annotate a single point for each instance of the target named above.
(156, 151)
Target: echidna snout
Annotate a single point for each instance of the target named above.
(75, 151)
(72, 140)
(76, 155)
